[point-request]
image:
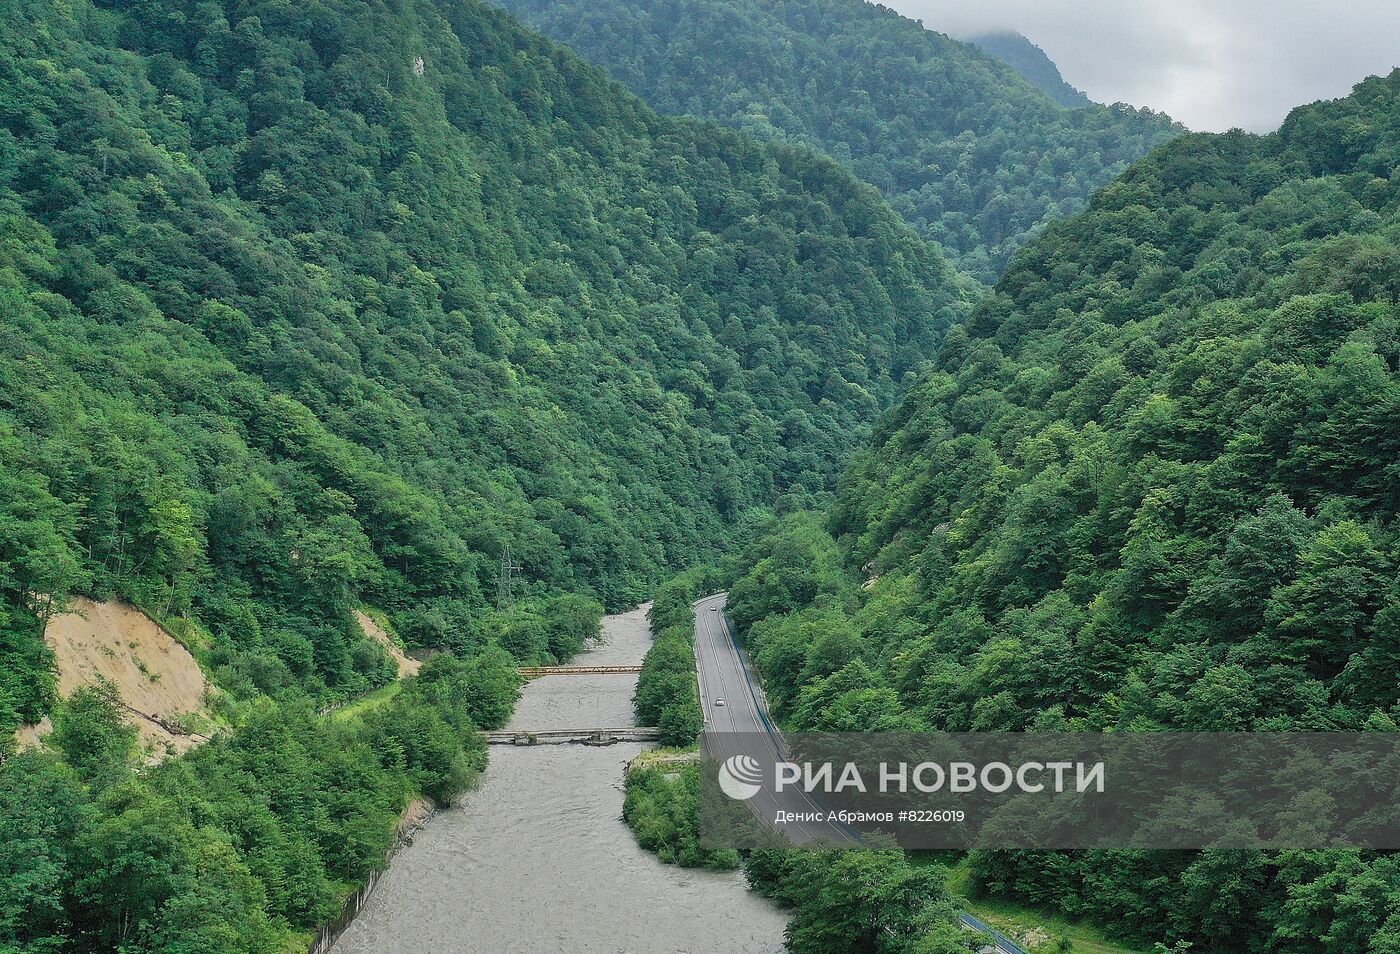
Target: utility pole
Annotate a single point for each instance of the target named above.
(504, 597)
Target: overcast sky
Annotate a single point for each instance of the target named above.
(1211, 64)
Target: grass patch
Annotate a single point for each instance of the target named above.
(1026, 924)
(366, 703)
(664, 757)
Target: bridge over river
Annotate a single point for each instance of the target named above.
(538, 858)
(534, 672)
(579, 736)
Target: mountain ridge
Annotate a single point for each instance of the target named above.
(390, 303)
(1148, 487)
(972, 155)
(413, 308)
(1033, 63)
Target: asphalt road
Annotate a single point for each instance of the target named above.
(723, 674)
(742, 725)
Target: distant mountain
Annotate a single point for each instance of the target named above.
(972, 155)
(1030, 61)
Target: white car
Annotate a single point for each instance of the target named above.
(719, 702)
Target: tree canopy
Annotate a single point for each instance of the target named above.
(1150, 484)
(356, 302)
(970, 153)
(318, 305)
(1032, 63)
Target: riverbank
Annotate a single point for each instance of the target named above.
(418, 813)
(537, 858)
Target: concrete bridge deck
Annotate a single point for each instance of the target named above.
(532, 672)
(586, 736)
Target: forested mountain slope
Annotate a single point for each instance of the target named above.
(1032, 63)
(1151, 485)
(307, 305)
(971, 154)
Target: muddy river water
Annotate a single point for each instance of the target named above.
(538, 860)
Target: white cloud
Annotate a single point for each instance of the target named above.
(1211, 65)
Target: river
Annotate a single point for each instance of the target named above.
(537, 859)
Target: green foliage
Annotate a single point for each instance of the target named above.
(92, 732)
(1149, 485)
(483, 689)
(242, 841)
(667, 694)
(41, 804)
(672, 604)
(291, 326)
(846, 901)
(681, 722)
(39, 564)
(146, 878)
(1030, 61)
(1331, 902)
(662, 809)
(310, 306)
(547, 630)
(571, 620)
(971, 154)
(428, 745)
(667, 680)
(795, 564)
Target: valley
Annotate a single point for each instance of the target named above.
(365, 362)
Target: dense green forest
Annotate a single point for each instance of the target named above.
(667, 694)
(870, 900)
(317, 305)
(838, 900)
(970, 153)
(311, 306)
(1030, 61)
(1150, 484)
(314, 306)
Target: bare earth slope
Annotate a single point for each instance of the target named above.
(154, 673)
(407, 666)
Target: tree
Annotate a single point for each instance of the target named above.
(93, 732)
(480, 692)
(681, 721)
(1148, 484)
(867, 901)
(1324, 615)
(42, 805)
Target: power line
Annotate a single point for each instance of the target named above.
(505, 584)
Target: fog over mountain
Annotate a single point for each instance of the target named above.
(1210, 65)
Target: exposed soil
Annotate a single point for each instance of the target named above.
(374, 631)
(154, 673)
(158, 680)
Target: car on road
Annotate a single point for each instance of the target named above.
(714, 609)
(719, 702)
